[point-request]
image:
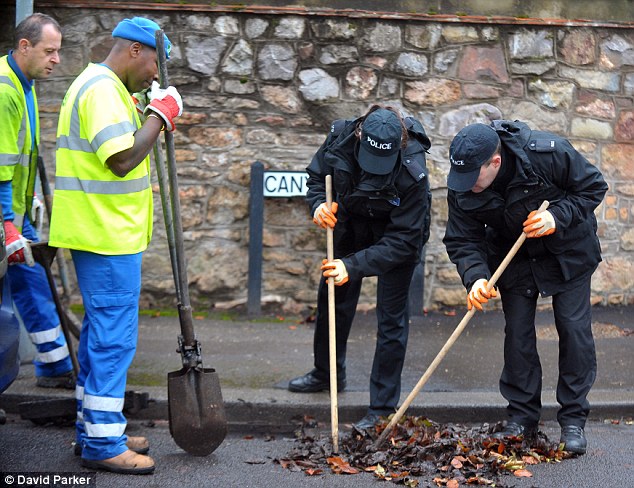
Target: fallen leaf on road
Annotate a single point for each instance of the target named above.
(522, 473)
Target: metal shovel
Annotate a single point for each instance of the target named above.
(196, 410)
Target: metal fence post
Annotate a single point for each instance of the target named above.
(256, 224)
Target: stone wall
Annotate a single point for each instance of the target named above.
(265, 87)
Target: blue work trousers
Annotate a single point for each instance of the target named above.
(33, 299)
(110, 287)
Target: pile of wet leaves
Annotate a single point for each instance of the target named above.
(451, 454)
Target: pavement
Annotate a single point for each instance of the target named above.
(255, 359)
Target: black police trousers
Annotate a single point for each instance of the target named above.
(521, 379)
(391, 340)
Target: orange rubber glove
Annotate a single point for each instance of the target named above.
(479, 294)
(324, 217)
(335, 269)
(539, 224)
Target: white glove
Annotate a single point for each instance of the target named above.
(37, 211)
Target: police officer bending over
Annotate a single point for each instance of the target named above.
(382, 205)
(499, 175)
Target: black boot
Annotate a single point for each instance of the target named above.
(310, 383)
(515, 429)
(367, 423)
(574, 439)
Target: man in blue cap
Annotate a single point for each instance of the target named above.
(382, 204)
(102, 212)
(499, 175)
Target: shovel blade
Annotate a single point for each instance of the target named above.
(196, 411)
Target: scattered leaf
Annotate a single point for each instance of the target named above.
(530, 460)
(338, 466)
(522, 473)
(292, 327)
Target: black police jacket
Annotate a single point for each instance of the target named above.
(482, 227)
(382, 221)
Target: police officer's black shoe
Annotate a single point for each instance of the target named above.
(514, 429)
(574, 439)
(309, 383)
(367, 423)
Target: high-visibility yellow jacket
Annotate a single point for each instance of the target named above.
(18, 154)
(93, 209)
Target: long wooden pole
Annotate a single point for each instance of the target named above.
(452, 339)
(332, 334)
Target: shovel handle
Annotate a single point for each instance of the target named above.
(184, 306)
(452, 339)
(48, 204)
(43, 254)
(332, 337)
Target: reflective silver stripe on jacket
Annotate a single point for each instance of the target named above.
(74, 142)
(13, 159)
(72, 183)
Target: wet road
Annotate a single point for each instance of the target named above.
(246, 460)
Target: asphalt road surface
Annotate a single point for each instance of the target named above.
(246, 460)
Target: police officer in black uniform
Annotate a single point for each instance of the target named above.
(499, 176)
(382, 204)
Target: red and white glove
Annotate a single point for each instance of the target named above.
(18, 249)
(166, 103)
(326, 218)
(479, 294)
(335, 269)
(539, 224)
